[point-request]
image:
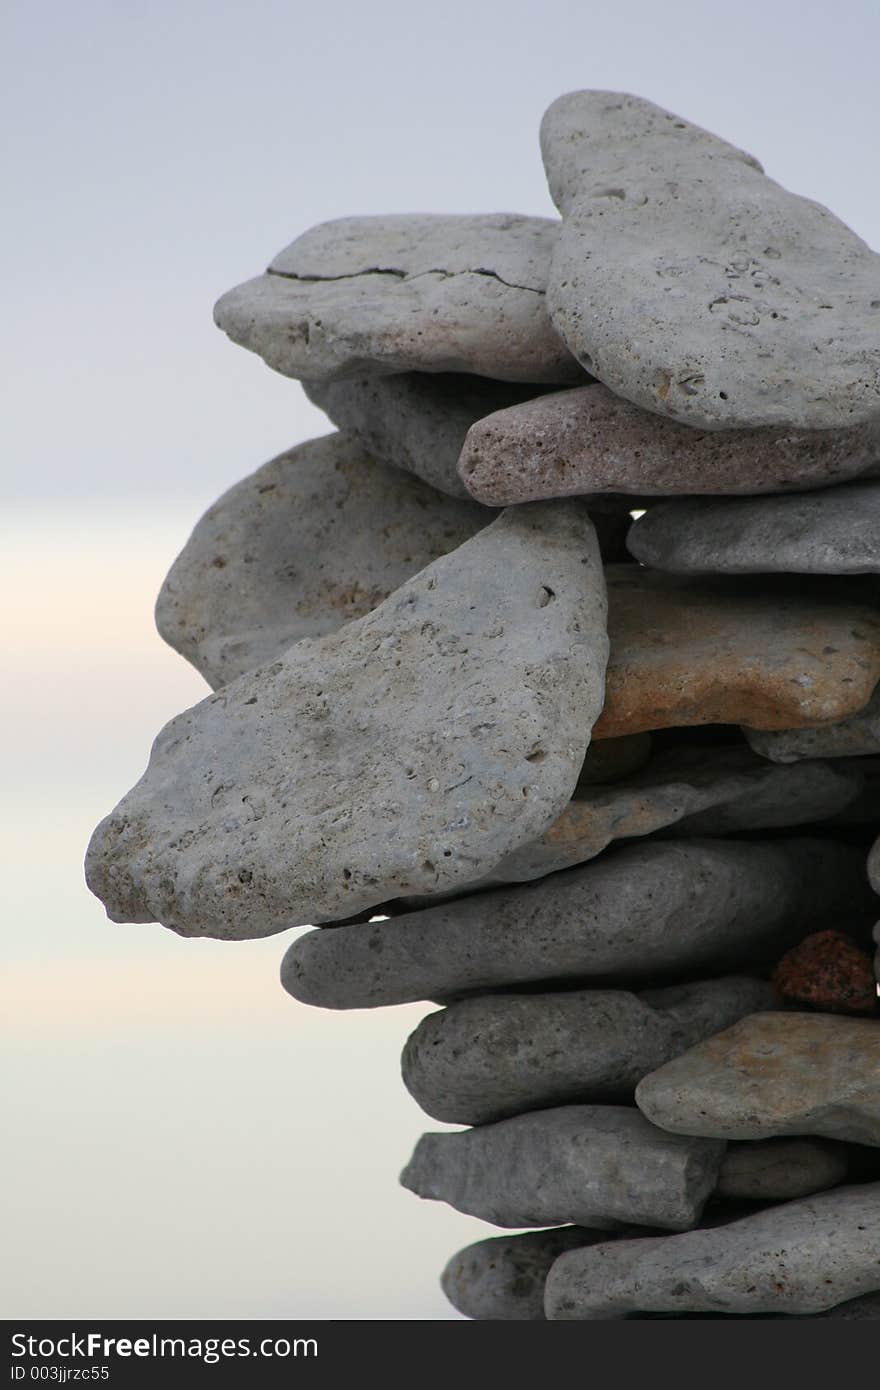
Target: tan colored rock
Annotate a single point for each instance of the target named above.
(768, 655)
(588, 440)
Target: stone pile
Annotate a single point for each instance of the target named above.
(603, 788)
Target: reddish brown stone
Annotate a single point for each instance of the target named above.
(828, 971)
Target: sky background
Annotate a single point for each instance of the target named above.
(183, 1139)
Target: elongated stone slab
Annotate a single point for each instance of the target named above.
(489, 1057)
(773, 1074)
(853, 737)
(832, 532)
(780, 1170)
(415, 292)
(588, 440)
(502, 1279)
(800, 1258)
(649, 909)
(318, 536)
(407, 752)
(687, 651)
(416, 421)
(696, 287)
(585, 1164)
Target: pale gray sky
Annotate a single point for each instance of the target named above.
(183, 1139)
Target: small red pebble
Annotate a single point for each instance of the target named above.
(828, 971)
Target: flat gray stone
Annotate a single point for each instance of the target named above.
(804, 1257)
(649, 909)
(832, 532)
(415, 420)
(779, 1170)
(589, 441)
(591, 1165)
(773, 1074)
(694, 286)
(318, 536)
(502, 1279)
(853, 737)
(496, 1055)
(414, 292)
(405, 753)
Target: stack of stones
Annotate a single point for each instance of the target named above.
(603, 788)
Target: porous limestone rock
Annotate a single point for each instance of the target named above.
(693, 285)
(646, 910)
(591, 1165)
(773, 1074)
(588, 440)
(496, 1055)
(853, 737)
(705, 651)
(406, 753)
(779, 1170)
(413, 292)
(316, 537)
(832, 532)
(799, 1258)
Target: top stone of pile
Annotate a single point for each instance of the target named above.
(696, 287)
(421, 292)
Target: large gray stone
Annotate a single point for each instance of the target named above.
(853, 737)
(696, 287)
(649, 909)
(587, 440)
(496, 1055)
(800, 1258)
(414, 292)
(406, 753)
(773, 1074)
(415, 420)
(591, 1165)
(779, 1170)
(832, 532)
(316, 537)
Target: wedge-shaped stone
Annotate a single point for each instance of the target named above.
(649, 909)
(854, 737)
(497, 1055)
(696, 287)
(407, 752)
(316, 537)
(592, 1165)
(714, 651)
(773, 1074)
(587, 440)
(420, 292)
(778, 1170)
(832, 532)
(799, 1258)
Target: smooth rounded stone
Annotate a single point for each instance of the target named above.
(588, 440)
(684, 790)
(502, 1279)
(412, 292)
(590, 1165)
(695, 286)
(770, 1075)
(406, 753)
(828, 971)
(415, 420)
(318, 536)
(832, 532)
(485, 1058)
(798, 1258)
(779, 1170)
(714, 651)
(610, 759)
(649, 909)
(856, 736)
